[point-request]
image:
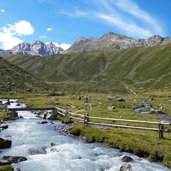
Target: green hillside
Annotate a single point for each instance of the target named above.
(15, 78)
(147, 67)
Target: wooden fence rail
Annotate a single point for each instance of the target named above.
(86, 120)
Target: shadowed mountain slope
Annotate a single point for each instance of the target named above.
(15, 78)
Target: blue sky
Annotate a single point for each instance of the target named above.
(64, 21)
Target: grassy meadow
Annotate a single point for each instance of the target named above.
(142, 143)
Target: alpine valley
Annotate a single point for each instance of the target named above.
(105, 64)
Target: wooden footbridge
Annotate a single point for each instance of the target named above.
(53, 109)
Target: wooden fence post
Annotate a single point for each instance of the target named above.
(66, 114)
(5, 107)
(161, 130)
(86, 119)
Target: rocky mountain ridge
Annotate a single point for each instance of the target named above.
(38, 48)
(115, 41)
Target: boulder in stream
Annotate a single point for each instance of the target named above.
(43, 122)
(126, 167)
(5, 143)
(3, 126)
(14, 114)
(127, 159)
(14, 159)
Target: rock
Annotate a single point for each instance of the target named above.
(111, 108)
(52, 144)
(120, 99)
(111, 98)
(14, 159)
(3, 126)
(125, 167)
(45, 116)
(127, 159)
(33, 151)
(43, 122)
(4, 162)
(14, 114)
(17, 169)
(29, 90)
(152, 111)
(5, 143)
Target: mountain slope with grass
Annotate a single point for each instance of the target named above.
(147, 67)
(15, 78)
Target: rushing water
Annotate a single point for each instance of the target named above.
(68, 153)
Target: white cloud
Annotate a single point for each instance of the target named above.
(49, 29)
(10, 34)
(76, 13)
(64, 46)
(22, 27)
(8, 41)
(133, 9)
(129, 28)
(3, 11)
(125, 15)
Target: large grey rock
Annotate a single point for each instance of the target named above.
(5, 143)
(3, 126)
(14, 159)
(14, 114)
(127, 159)
(126, 167)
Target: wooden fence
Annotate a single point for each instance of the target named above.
(87, 120)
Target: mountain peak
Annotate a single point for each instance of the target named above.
(37, 48)
(38, 42)
(115, 41)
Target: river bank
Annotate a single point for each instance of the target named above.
(27, 133)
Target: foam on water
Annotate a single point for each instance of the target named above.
(68, 153)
